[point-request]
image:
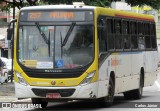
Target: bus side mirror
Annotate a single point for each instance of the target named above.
(9, 33)
(10, 30)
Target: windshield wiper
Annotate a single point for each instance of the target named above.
(49, 52)
(42, 33)
(61, 44)
(47, 40)
(68, 34)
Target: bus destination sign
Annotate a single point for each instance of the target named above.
(56, 16)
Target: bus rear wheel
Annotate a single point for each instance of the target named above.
(137, 93)
(108, 100)
(39, 101)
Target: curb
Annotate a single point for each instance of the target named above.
(7, 98)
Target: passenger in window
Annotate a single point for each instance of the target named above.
(83, 39)
(141, 43)
(118, 43)
(126, 43)
(2, 78)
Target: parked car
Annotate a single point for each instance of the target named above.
(7, 68)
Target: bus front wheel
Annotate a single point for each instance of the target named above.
(39, 101)
(108, 100)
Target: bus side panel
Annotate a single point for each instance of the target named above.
(104, 73)
(137, 62)
(123, 72)
(128, 70)
(127, 83)
(151, 67)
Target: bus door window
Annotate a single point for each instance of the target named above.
(101, 35)
(102, 39)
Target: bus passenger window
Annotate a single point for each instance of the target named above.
(125, 29)
(119, 42)
(147, 35)
(118, 36)
(141, 43)
(111, 42)
(140, 28)
(153, 36)
(134, 42)
(117, 26)
(141, 39)
(126, 42)
(125, 34)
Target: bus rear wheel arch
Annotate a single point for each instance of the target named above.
(136, 93)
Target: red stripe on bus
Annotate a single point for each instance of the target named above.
(124, 16)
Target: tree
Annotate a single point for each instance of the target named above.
(155, 4)
(17, 3)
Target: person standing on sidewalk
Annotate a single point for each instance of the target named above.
(2, 79)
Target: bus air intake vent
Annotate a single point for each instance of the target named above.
(62, 92)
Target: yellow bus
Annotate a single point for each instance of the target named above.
(75, 52)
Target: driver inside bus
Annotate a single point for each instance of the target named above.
(83, 39)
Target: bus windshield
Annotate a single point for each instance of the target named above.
(55, 46)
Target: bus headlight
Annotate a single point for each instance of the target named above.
(20, 79)
(88, 79)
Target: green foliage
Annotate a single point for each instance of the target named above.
(102, 3)
(155, 4)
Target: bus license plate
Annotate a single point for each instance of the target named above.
(53, 95)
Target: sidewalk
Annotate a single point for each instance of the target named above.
(7, 93)
(7, 89)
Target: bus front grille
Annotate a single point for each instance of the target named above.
(44, 92)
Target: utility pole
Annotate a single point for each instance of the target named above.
(12, 44)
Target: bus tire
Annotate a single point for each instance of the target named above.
(128, 95)
(39, 101)
(108, 100)
(137, 93)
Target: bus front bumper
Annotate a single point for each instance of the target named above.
(76, 92)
